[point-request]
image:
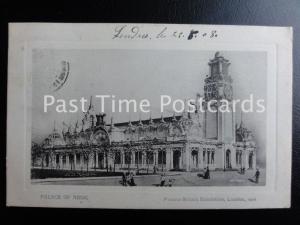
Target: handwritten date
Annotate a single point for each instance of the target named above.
(136, 32)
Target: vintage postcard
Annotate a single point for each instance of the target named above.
(149, 116)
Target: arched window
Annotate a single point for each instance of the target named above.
(149, 157)
(117, 157)
(176, 159)
(127, 158)
(162, 157)
(57, 159)
(195, 158)
(251, 160)
(77, 158)
(212, 159)
(228, 159)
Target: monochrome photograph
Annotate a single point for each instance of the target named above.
(158, 147)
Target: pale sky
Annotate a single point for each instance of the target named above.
(141, 74)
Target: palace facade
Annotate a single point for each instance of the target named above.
(187, 142)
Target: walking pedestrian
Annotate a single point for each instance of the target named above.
(124, 180)
(257, 173)
(208, 173)
(162, 180)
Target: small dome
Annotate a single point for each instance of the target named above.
(217, 54)
(55, 139)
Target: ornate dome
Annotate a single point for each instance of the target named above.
(100, 137)
(55, 139)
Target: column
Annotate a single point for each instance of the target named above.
(247, 159)
(50, 160)
(233, 159)
(181, 160)
(44, 160)
(60, 162)
(254, 160)
(75, 161)
(168, 159)
(133, 158)
(243, 165)
(223, 157)
(81, 161)
(137, 162)
(171, 159)
(208, 158)
(110, 161)
(143, 158)
(97, 160)
(122, 159)
(67, 161)
(104, 159)
(56, 163)
(187, 156)
(200, 158)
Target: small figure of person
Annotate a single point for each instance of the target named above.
(244, 170)
(124, 179)
(170, 182)
(257, 173)
(162, 180)
(131, 180)
(206, 173)
(128, 178)
(154, 169)
(110, 168)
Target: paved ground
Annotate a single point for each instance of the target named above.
(217, 178)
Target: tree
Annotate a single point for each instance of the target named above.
(147, 145)
(36, 153)
(112, 154)
(86, 152)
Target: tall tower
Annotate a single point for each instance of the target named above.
(218, 88)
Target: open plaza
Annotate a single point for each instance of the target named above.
(217, 178)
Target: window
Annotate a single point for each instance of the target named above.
(118, 158)
(162, 157)
(150, 157)
(127, 158)
(138, 157)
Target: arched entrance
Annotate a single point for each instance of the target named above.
(161, 157)
(251, 160)
(194, 159)
(101, 160)
(176, 159)
(228, 159)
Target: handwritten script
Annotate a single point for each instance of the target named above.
(136, 32)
